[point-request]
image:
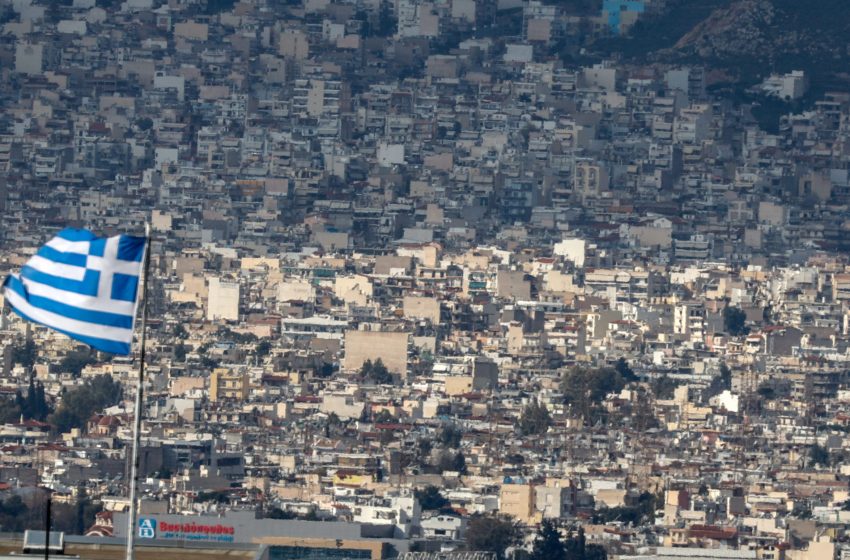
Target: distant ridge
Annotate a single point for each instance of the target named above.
(749, 38)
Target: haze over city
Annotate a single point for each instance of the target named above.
(425, 280)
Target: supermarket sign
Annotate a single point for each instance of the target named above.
(150, 528)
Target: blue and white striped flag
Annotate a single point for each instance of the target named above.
(83, 286)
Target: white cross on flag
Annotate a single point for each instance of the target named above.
(83, 286)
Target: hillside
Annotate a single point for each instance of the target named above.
(748, 38)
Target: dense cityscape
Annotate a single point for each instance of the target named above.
(447, 280)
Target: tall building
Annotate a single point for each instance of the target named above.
(406, 15)
(229, 385)
(517, 500)
(223, 300)
(590, 179)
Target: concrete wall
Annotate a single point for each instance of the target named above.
(295, 290)
(417, 307)
(390, 347)
(191, 30)
(181, 385)
(355, 289)
(513, 284)
(517, 500)
(223, 300)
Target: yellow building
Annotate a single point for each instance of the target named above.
(517, 500)
(228, 384)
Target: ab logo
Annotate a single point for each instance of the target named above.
(147, 528)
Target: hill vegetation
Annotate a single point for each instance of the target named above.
(747, 39)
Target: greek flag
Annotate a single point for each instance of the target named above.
(83, 286)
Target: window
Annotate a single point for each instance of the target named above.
(305, 553)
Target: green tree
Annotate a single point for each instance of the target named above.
(217, 496)
(326, 370)
(387, 23)
(535, 419)
(42, 409)
(584, 389)
(218, 6)
(453, 462)
(84, 512)
(459, 463)
(13, 514)
(277, 513)
(547, 543)
(25, 355)
(819, 455)
(365, 26)
(492, 533)
(734, 321)
(423, 450)
(663, 387)
(723, 382)
(450, 436)
(30, 402)
(430, 498)
(63, 420)
(34, 406)
(237, 337)
(802, 510)
(643, 512)
(144, 123)
(206, 360)
(626, 372)
(180, 332)
(75, 361)
(385, 417)
(332, 424)
(578, 549)
(583, 384)
(725, 376)
(309, 516)
(80, 403)
(366, 369)
(180, 352)
(595, 552)
(263, 349)
(375, 372)
(10, 409)
(17, 514)
(766, 391)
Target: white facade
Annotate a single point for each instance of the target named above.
(178, 83)
(788, 86)
(443, 526)
(573, 250)
(223, 300)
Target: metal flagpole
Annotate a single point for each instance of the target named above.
(47, 521)
(137, 425)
